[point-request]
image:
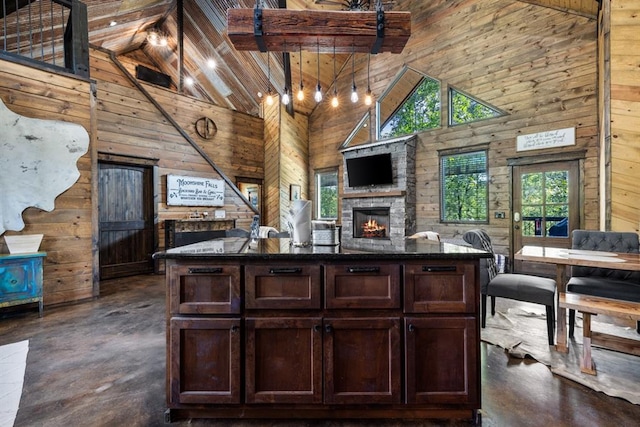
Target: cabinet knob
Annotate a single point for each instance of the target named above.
(328, 328)
(235, 328)
(317, 328)
(411, 328)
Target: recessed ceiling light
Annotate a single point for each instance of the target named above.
(188, 81)
(211, 63)
(112, 23)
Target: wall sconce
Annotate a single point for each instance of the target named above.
(157, 37)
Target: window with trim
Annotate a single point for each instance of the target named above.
(411, 104)
(464, 187)
(327, 194)
(464, 108)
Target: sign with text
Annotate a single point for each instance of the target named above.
(194, 191)
(547, 139)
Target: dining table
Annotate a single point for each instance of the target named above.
(563, 258)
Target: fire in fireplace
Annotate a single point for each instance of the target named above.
(371, 228)
(372, 223)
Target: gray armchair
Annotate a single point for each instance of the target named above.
(604, 282)
(520, 287)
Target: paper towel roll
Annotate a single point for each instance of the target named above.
(300, 223)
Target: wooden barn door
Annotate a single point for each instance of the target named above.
(126, 219)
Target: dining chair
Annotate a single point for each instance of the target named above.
(520, 287)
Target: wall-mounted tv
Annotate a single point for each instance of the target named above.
(370, 170)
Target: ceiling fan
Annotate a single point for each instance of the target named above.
(355, 5)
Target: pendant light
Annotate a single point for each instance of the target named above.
(354, 92)
(300, 95)
(368, 97)
(318, 94)
(269, 99)
(334, 100)
(286, 98)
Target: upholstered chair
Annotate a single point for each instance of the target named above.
(604, 282)
(520, 287)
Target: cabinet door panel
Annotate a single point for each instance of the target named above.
(440, 287)
(282, 286)
(204, 360)
(204, 289)
(283, 360)
(362, 286)
(441, 360)
(362, 361)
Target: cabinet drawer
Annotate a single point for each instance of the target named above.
(204, 289)
(440, 287)
(362, 286)
(282, 286)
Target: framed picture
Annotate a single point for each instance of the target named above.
(253, 197)
(294, 192)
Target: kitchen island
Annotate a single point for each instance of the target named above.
(262, 329)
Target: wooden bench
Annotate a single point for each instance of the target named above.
(589, 305)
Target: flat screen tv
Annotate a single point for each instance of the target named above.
(370, 170)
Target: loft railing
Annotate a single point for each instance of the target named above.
(53, 33)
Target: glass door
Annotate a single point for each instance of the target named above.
(545, 209)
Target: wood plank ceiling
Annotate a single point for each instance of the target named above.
(121, 26)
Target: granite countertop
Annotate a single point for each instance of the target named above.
(273, 249)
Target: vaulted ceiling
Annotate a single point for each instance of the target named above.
(239, 76)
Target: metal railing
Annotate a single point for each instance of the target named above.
(53, 33)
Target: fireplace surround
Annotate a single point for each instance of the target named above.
(392, 206)
(371, 223)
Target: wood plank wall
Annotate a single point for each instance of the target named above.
(67, 229)
(122, 123)
(130, 125)
(535, 63)
(286, 161)
(272, 157)
(625, 115)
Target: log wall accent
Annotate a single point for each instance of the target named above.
(624, 115)
(535, 63)
(67, 229)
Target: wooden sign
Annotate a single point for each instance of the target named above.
(547, 139)
(194, 191)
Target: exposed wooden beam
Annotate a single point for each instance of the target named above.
(317, 29)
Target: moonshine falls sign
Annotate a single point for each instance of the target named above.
(194, 191)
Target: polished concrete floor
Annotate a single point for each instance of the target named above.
(101, 363)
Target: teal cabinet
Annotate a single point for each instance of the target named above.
(21, 279)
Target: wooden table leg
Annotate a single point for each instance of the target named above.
(561, 313)
(586, 364)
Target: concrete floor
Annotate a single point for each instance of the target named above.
(102, 363)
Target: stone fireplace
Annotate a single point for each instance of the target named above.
(381, 216)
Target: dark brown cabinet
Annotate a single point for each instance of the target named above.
(362, 361)
(204, 360)
(322, 338)
(283, 360)
(440, 357)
